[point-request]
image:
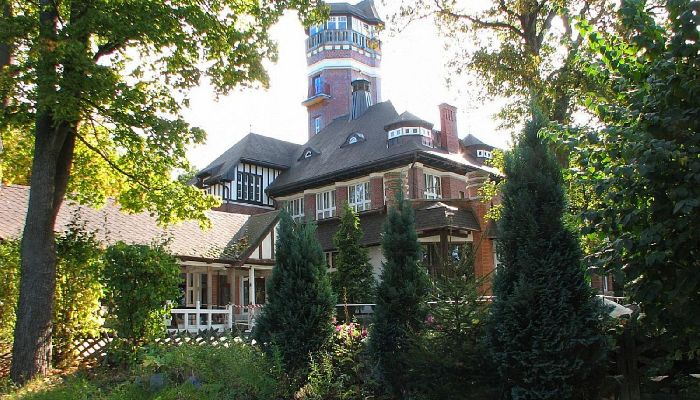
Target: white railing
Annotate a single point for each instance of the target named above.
(220, 319)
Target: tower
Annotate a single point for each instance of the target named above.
(343, 49)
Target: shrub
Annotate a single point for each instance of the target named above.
(340, 371)
(139, 281)
(78, 291)
(296, 321)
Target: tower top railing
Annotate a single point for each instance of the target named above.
(344, 36)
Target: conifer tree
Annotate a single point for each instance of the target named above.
(353, 281)
(401, 294)
(296, 321)
(545, 329)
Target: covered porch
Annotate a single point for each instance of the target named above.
(219, 296)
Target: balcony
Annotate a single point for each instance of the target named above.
(317, 94)
(348, 37)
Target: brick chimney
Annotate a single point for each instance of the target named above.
(448, 128)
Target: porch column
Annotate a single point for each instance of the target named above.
(232, 286)
(210, 283)
(251, 285)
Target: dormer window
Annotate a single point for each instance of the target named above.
(484, 154)
(308, 153)
(354, 138)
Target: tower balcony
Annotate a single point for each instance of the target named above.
(317, 94)
(342, 37)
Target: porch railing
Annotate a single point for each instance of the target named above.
(219, 319)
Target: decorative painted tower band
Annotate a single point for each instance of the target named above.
(344, 49)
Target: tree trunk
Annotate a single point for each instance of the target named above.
(53, 153)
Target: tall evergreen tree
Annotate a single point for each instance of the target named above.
(401, 295)
(353, 281)
(545, 329)
(296, 320)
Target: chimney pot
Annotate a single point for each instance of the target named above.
(361, 98)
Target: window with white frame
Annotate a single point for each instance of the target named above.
(484, 154)
(249, 187)
(358, 197)
(325, 204)
(295, 208)
(317, 124)
(314, 29)
(337, 22)
(432, 187)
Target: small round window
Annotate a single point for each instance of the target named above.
(352, 140)
(308, 154)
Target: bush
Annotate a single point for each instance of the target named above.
(78, 289)
(342, 370)
(139, 281)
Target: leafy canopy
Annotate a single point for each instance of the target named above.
(644, 162)
(120, 71)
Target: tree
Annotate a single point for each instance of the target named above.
(644, 162)
(450, 359)
(139, 280)
(545, 329)
(297, 319)
(353, 281)
(401, 295)
(516, 48)
(70, 77)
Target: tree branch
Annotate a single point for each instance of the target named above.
(486, 24)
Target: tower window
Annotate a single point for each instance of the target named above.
(338, 22)
(318, 84)
(317, 124)
(432, 187)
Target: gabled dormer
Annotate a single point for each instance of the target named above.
(354, 138)
(308, 153)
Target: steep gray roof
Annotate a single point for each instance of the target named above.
(408, 118)
(333, 162)
(364, 9)
(253, 148)
(111, 225)
(471, 140)
(254, 230)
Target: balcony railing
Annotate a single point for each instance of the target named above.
(220, 319)
(334, 36)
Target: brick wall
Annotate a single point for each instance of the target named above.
(376, 195)
(310, 206)
(341, 196)
(451, 186)
(416, 183)
(484, 261)
(347, 53)
(393, 182)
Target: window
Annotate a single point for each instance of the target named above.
(358, 197)
(295, 208)
(318, 85)
(483, 154)
(249, 187)
(331, 260)
(325, 204)
(308, 154)
(432, 187)
(317, 124)
(338, 22)
(314, 29)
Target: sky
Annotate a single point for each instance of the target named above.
(413, 76)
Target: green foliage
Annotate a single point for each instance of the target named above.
(353, 281)
(545, 331)
(400, 311)
(341, 371)
(78, 290)
(450, 360)
(9, 288)
(123, 84)
(139, 281)
(644, 163)
(296, 321)
(493, 187)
